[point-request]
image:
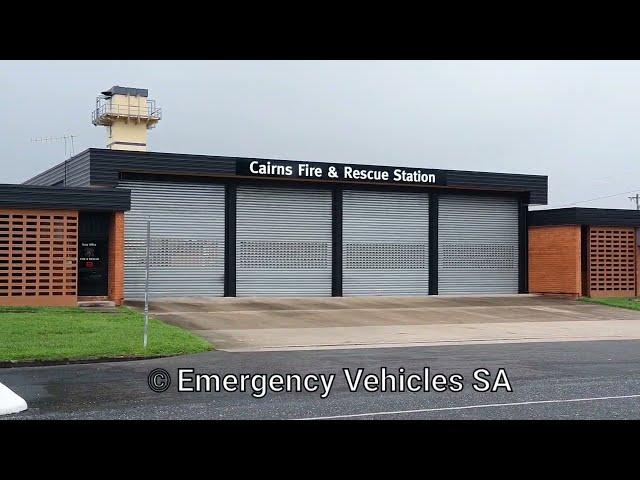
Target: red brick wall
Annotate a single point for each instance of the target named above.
(555, 260)
(116, 258)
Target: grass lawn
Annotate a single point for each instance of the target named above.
(630, 303)
(76, 334)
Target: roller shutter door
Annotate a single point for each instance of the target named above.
(283, 242)
(478, 244)
(187, 239)
(385, 243)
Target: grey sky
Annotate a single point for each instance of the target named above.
(575, 121)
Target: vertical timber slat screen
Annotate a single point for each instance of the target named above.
(38, 257)
(612, 262)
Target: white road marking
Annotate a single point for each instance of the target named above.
(468, 407)
(10, 402)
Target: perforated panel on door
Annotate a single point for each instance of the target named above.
(612, 262)
(187, 239)
(477, 244)
(283, 242)
(385, 243)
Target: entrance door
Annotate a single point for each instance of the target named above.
(93, 255)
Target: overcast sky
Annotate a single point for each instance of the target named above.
(577, 122)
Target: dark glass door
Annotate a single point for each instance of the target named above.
(93, 255)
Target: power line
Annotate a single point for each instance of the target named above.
(636, 198)
(597, 198)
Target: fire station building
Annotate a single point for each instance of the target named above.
(228, 226)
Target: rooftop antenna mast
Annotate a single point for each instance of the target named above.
(69, 145)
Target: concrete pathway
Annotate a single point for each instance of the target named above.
(422, 335)
(252, 324)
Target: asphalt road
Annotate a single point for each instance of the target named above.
(566, 380)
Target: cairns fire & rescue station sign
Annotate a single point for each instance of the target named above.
(339, 172)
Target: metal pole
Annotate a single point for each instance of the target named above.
(146, 285)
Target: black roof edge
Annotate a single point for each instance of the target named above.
(76, 198)
(228, 157)
(584, 216)
(173, 154)
(535, 185)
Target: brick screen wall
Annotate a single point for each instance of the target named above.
(612, 262)
(555, 260)
(38, 257)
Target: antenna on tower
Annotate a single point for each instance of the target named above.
(68, 142)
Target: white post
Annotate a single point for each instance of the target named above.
(146, 285)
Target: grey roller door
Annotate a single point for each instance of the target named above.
(478, 244)
(283, 242)
(385, 243)
(187, 246)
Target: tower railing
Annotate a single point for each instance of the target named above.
(106, 111)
